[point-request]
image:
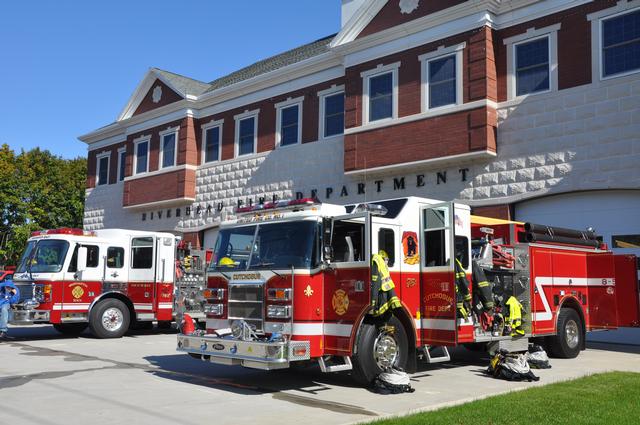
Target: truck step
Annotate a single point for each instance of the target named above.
(431, 354)
(326, 367)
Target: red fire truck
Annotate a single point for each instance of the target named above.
(6, 273)
(290, 282)
(109, 280)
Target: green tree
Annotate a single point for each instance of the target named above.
(38, 190)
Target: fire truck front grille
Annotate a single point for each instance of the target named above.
(246, 302)
(26, 291)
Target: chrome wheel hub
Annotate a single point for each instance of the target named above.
(385, 350)
(112, 319)
(572, 334)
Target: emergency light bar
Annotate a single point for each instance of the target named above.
(63, 231)
(279, 204)
(374, 209)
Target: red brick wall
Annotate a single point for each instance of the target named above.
(162, 187)
(574, 45)
(391, 16)
(267, 120)
(168, 96)
(437, 137)
(504, 212)
(113, 164)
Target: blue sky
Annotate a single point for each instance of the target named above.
(68, 67)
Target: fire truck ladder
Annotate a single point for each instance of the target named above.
(430, 354)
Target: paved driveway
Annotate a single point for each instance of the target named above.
(46, 378)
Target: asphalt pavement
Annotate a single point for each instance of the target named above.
(47, 378)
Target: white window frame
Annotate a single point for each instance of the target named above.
(163, 134)
(136, 142)
(366, 77)
(597, 22)
(99, 157)
(441, 53)
(246, 114)
(322, 95)
(280, 106)
(205, 127)
(533, 34)
(120, 152)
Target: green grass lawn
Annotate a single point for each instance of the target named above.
(607, 398)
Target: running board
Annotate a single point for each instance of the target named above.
(335, 367)
(430, 358)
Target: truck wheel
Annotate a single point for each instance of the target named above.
(109, 319)
(566, 344)
(378, 347)
(72, 329)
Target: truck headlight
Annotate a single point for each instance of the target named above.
(279, 294)
(42, 293)
(279, 311)
(213, 293)
(214, 309)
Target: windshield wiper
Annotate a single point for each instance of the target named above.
(264, 264)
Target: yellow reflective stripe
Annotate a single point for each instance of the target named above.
(483, 284)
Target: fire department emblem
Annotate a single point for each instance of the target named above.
(408, 6)
(340, 302)
(77, 292)
(308, 291)
(410, 248)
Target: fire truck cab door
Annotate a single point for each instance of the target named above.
(347, 288)
(142, 272)
(437, 275)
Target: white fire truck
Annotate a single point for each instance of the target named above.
(109, 280)
(290, 282)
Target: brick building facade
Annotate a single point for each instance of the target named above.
(523, 109)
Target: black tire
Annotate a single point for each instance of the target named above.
(365, 365)
(164, 324)
(109, 319)
(71, 329)
(568, 341)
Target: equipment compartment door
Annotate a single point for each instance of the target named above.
(627, 290)
(438, 322)
(346, 288)
(601, 295)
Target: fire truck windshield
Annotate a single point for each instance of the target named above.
(44, 256)
(268, 246)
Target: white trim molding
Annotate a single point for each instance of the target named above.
(168, 132)
(381, 69)
(280, 106)
(532, 34)
(597, 19)
(142, 139)
(161, 171)
(121, 176)
(238, 118)
(441, 53)
(100, 157)
(204, 128)
(322, 96)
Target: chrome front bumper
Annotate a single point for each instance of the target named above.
(252, 354)
(28, 317)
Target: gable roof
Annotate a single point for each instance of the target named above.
(183, 85)
(273, 63)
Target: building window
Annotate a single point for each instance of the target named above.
(442, 81)
(532, 66)
(212, 137)
(122, 157)
(621, 44)
(333, 107)
(289, 122)
(532, 61)
(141, 157)
(625, 241)
(103, 169)
(246, 133)
(380, 93)
(168, 148)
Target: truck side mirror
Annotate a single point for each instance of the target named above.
(327, 232)
(82, 259)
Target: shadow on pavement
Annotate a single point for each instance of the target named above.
(47, 332)
(609, 346)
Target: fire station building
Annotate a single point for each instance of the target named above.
(523, 109)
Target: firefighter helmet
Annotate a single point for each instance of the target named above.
(226, 262)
